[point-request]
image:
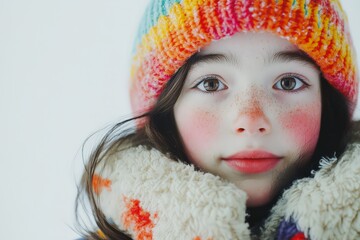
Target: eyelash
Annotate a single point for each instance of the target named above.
(210, 77)
(288, 75)
(295, 76)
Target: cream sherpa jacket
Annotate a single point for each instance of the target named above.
(149, 196)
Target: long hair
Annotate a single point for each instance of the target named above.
(160, 132)
(335, 124)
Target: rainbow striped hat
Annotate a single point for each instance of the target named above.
(173, 30)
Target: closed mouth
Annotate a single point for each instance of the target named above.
(252, 162)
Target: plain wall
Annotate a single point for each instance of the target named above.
(64, 67)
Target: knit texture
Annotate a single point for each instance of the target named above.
(173, 30)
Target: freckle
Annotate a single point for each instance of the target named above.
(203, 123)
(252, 102)
(206, 119)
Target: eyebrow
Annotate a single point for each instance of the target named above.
(282, 56)
(289, 56)
(214, 58)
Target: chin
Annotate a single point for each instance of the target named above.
(258, 201)
(258, 195)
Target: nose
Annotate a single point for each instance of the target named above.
(252, 121)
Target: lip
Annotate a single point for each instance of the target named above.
(252, 162)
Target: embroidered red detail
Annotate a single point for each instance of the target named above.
(138, 220)
(299, 236)
(98, 183)
(199, 238)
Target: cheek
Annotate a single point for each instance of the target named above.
(197, 129)
(302, 125)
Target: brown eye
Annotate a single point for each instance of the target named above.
(210, 84)
(290, 83)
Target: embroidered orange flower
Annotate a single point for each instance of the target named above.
(199, 238)
(98, 183)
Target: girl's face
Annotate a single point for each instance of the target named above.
(250, 112)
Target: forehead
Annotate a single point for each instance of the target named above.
(253, 49)
(251, 42)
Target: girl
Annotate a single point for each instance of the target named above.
(242, 113)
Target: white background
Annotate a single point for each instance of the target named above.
(63, 75)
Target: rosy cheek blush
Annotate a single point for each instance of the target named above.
(198, 128)
(303, 126)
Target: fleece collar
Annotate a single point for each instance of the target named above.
(326, 206)
(150, 196)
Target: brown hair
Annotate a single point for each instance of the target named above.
(159, 132)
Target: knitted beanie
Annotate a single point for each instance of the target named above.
(171, 31)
